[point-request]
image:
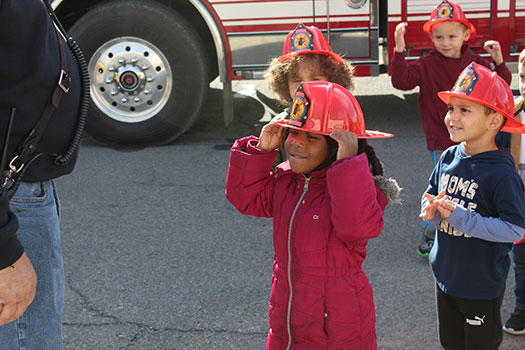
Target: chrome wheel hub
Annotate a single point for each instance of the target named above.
(130, 79)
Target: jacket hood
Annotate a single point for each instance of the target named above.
(389, 187)
(494, 157)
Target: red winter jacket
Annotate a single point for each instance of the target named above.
(321, 226)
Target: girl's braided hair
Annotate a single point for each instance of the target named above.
(376, 167)
(388, 186)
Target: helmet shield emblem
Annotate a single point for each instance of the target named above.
(302, 39)
(445, 10)
(466, 82)
(300, 108)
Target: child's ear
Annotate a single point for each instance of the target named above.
(497, 121)
(466, 35)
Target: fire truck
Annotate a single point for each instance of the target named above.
(151, 61)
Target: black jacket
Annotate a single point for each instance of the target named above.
(29, 72)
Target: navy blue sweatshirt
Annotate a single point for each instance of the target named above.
(29, 71)
(470, 257)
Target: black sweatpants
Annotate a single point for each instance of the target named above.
(468, 324)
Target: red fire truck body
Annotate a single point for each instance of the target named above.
(151, 61)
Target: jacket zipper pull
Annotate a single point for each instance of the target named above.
(307, 180)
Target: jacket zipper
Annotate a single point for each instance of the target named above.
(288, 314)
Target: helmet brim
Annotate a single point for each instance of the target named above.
(369, 134)
(427, 27)
(332, 55)
(511, 125)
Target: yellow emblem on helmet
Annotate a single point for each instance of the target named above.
(301, 41)
(463, 83)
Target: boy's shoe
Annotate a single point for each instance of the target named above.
(516, 323)
(425, 247)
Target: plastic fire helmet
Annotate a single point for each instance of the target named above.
(307, 40)
(322, 107)
(448, 11)
(480, 84)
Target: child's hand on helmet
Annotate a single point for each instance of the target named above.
(432, 205)
(494, 48)
(399, 35)
(347, 142)
(271, 137)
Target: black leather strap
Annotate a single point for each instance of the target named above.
(13, 174)
(29, 145)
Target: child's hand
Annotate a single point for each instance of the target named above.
(271, 137)
(445, 207)
(399, 36)
(494, 48)
(347, 142)
(432, 205)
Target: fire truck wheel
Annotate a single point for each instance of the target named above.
(148, 69)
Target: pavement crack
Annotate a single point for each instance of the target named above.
(87, 304)
(143, 328)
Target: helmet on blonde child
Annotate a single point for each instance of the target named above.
(448, 11)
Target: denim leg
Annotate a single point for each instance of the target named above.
(519, 273)
(40, 328)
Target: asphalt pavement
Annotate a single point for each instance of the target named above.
(156, 258)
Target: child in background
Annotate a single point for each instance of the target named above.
(476, 199)
(448, 29)
(307, 56)
(325, 206)
(515, 325)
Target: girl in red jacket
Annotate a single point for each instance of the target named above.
(325, 206)
(307, 56)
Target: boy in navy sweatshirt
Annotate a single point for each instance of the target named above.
(449, 29)
(476, 200)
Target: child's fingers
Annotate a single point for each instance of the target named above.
(445, 213)
(280, 131)
(401, 27)
(271, 136)
(343, 136)
(347, 143)
(272, 126)
(336, 136)
(428, 214)
(429, 197)
(445, 207)
(448, 205)
(491, 44)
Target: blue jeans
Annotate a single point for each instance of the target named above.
(40, 328)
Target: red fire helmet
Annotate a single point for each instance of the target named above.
(479, 84)
(322, 107)
(307, 40)
(448, 11)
